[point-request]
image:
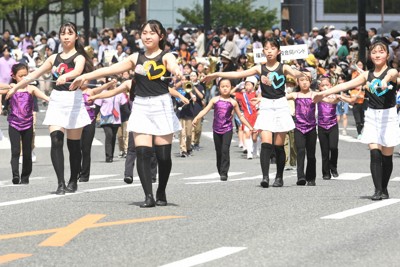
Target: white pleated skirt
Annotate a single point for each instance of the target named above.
(66, 109)
(153, 115)
(381, 127)
(274, 116)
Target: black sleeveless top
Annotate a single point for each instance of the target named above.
(148, 73)
(60, 67)
(379, 99)
(277, 88)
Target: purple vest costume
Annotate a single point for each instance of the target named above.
(222, 117)
(305, 115)
(21, 111)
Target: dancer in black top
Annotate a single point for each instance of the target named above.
(381, 128)
(152, 116)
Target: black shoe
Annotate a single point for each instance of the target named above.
(161, 199)
(326, 177)
(301, 181)
(245, 151)
(128, 179)
(278, 182)
(184, 154)
(60, 189)
(148, 202)
(109, 160)
(15, 180)
(311, 183)
(24, 181)
(224, 177)
(385, 194)
(83, 179)
(377, 195)
(71, 187)
(334, 173)
(265, 182)
(154, 180)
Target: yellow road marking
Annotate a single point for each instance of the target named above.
(12, 257)
(63, 235)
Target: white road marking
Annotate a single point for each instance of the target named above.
(235, 180)
(51, 196)
(359, 210)
(101, 176)
(350, 176)
(348, 138)
(205, 257)
(211, 176)
(395, 179)
(41, 141)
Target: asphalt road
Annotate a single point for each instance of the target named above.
(207, 222)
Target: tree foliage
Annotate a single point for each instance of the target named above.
(23, 15)
(231, 13)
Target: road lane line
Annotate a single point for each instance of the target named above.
(66, 234)
(359, 210)
(211, 176)
(51, 196)
(351, 176)
(206, 257)
(151, 219)
(395, 179)
(12, 257)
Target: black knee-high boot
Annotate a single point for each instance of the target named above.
(387, 168)
(57, 158)
(144, 154)
(280, 165)
(265, 155)
(376, 172)
(163, 154)
(75, 156)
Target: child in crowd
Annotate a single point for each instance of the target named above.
(250, 113)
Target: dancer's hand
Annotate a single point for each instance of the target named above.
(78, 82)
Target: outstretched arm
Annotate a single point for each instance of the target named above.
(233, 74)
(39, 94)
(46, 67)
(125, 65)
(204, 111)
(360, 80)
(105, 94)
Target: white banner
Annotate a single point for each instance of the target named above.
(290, 52)
(259, 56)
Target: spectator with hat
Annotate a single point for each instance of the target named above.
(27, 41)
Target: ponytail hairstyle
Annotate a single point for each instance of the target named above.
(157, 27)
(275, 43)
(70, 26)
(14, 70)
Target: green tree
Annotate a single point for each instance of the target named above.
(231, 13)
(23, 15)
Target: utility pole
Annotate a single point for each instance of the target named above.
(86, 20)
(207, 19)
(362, 33)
